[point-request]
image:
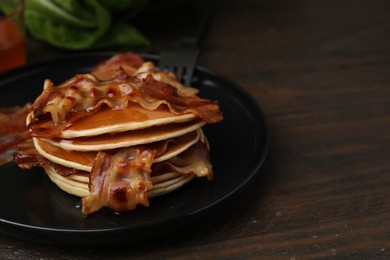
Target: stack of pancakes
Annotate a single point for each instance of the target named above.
(70, 144)
(77, 149)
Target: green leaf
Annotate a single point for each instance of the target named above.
(69, 12)
(124, 37)
(79, 24)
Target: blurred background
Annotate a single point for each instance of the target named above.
(145, 26)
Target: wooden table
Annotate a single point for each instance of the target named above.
(321, 71)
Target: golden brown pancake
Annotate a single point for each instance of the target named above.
(134, 117)
(129, 138)
(77, 184)
(84, 160)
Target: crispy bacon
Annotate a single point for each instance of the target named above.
(148, 69)
(195, 160)
(119, 181)
(27, 157)
(84, 94)
(169, 96)
(134, 65)
(128, 59)
(81, 96)
(13, 131)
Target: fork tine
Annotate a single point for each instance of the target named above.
(182, 62)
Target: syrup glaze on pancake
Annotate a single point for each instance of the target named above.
(132, 117)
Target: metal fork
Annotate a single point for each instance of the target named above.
(182, 61)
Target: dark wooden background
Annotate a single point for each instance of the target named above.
(321, 71)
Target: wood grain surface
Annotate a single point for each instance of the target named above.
(320, 69)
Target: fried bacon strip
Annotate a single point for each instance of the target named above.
(27, 157)
(13, 131)
(119, 181)
(129, 59)
(163, 93)
(85, 94)
(195, 160)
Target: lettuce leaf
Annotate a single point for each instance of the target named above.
(79, 25)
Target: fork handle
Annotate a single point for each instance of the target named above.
(195, 31)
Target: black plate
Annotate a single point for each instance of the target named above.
(33, 208)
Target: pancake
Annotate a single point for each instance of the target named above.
(163, 179)
(84, 160)
(68, 185)
(72, 159)
(126, 139)
(133, 117)
(77, 184)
